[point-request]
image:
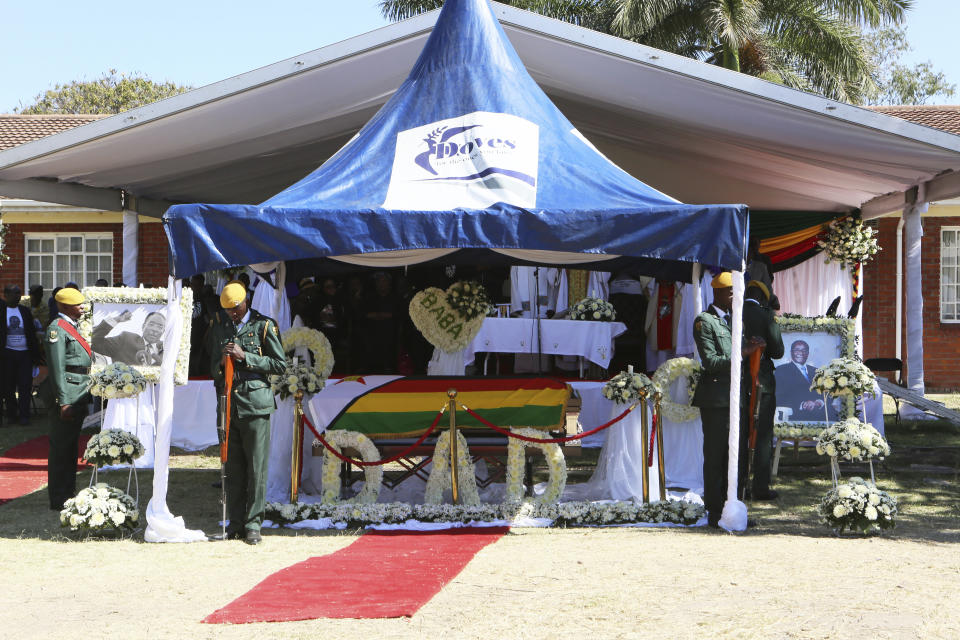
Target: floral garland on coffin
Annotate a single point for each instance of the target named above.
(857, 505)
(98, 508)
(843, 377)
(566, 514)
(113, 447)
(594, 309)
(440, 479)
(556, 463)
(117, 380)
(372, 475)
(665, 376)
(625, 387)
(852, 440)
(848, 242)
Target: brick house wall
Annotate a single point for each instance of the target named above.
(152, 262)
(941, 341)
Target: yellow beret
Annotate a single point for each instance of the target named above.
(233, 294)
(722, 280)
(761, 286)
(69, 295)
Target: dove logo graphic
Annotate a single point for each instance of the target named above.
(468, 162)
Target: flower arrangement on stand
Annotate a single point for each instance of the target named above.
(372, 475)
(296, 377)
(663, 379)
(595, 309)
(100, 508)
(849, 242)
(556, 464)
(319, 347)
(117, 380)
(112, 447)
(843, 377)
(853, 441)
(626, 387)
(857, 505)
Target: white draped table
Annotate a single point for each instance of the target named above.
(592, 341)
(194, 418)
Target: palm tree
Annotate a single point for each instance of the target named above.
(815, 45)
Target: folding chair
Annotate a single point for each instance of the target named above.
(888, 365)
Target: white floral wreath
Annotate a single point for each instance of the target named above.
(316, 342)
(373, 474)
(665, 375)
(556, 463)
(439, 479)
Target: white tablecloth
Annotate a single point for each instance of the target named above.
(591, 340)
(194, 418)
(682, 441)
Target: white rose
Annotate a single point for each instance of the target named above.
(97, 519)
(873, 450)
(292, 388)
(291, 379)
(128, 449)
(831, 450)
(828, 384)
(118, 517)
(874, 499)
(75, 520)
(843, 381)
(129, 388)
(844, 492)
(855, 451)
(113, 452)
(109, 392)
(870, 512)
(839, 511)
(596, 315)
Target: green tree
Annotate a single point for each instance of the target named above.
(112, 92)
(815, 45)
(898, 83)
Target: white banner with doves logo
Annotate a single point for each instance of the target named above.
(468, 162)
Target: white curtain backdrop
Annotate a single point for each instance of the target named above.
(162, 525)
(272, 301)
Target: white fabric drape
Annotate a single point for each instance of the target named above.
(121, 413)
(271, 300)
(734, 516)
(913, 234)
(446, 364)
(683, 445)
(162, 525)
(131, 247)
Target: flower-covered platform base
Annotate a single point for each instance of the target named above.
(527, 513)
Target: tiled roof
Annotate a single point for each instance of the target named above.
(18, 129)
(937, 116)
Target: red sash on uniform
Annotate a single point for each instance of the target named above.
(72, 330)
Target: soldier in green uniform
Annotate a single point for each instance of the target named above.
(64, 392)
(711, 332)
(252, 341)
(759, 322)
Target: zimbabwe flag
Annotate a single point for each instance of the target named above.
(406, 407)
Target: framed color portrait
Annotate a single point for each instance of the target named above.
(810, 343)
(128, 325)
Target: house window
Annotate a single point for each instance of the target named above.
(950, 274)
(52, 260)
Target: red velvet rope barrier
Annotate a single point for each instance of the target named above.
(653, 435)
(374, 463)
(576, 436)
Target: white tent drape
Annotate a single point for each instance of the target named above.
(734, 516)
(163, 526)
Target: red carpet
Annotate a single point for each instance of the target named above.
(23, 468)
(384, 574)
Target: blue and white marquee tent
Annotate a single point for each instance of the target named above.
(469, 157)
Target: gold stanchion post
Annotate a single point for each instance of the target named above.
(454, 485)
(657, 397)
(644, 434)
(297, 447)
